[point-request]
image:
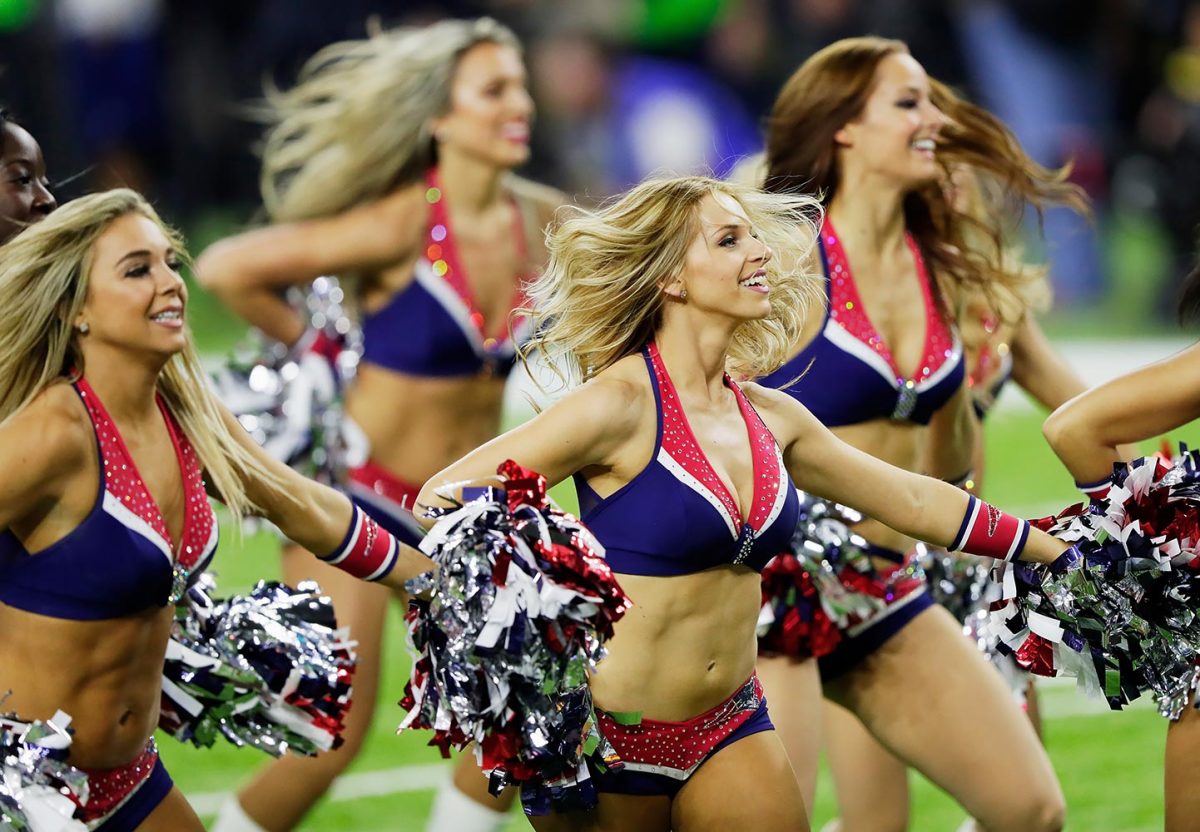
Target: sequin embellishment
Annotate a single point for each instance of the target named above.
(680, 443)
(124, 482)
(847, 309)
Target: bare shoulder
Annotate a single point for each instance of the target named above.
(618, 396)
(404, 208)
(787, 418)
(543, 199)
(53, 433)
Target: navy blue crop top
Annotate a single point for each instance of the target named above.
(433, 327)
(119, 561)
(853, 377)
(676, 516)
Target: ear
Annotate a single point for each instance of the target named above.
(675, 289)
(845, 136)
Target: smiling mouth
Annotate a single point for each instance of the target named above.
(169, 316)
(756, 280)
(924, 145)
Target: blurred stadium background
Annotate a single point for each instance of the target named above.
(150, 93)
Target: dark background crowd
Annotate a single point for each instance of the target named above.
(153, 93)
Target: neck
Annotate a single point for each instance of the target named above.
(472, 186)
(126, 387)
(695, 351)
(868, 211)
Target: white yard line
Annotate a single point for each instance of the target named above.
(417, 778)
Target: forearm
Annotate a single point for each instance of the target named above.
(982, 529)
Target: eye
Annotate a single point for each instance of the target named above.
(493, 90)
(24, 180)
(907, 103)
(174, 264)
(140, 270)
(728, 242)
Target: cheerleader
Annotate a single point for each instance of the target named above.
(657, 303)
(24, 191)
(389, 163)
(1086, 433)
(108, 441)
(861, 124)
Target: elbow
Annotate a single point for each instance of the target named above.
(211, 273)
(1059, 427)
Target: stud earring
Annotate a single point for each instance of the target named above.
(83, 328)
(683, 294)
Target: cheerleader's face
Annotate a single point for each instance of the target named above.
(895, 136)
(490, 108)
(725, 270)
(24, 190)
(136, 296)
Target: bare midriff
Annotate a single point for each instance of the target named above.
(107, 675)
(685, 645)
(897, 443)
(418, 426)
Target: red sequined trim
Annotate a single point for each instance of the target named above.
(678, 747)
(123, 480)
(847, 308)
(109, 788)
(680, 442)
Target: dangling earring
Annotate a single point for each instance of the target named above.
(683, 294)
(83, 328)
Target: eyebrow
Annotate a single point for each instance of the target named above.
(729, 226)
(141, 252)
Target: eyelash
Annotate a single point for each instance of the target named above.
(732, 240)
(144, 269)
(907, 104)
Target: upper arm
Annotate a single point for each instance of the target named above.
(1138, 405)
(587, 427)
(1041, 371)
(41, 449)
(365, 238)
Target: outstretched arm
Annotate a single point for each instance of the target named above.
(248, 271)
(1086, 431)
(586, 428)
(921, 507)
(325, 522)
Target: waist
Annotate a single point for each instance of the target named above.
(418, 426)
(105, 674)
(691, 642)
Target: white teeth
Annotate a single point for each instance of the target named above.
(172, 315)
(924, 144)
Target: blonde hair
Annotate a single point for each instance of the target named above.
(601, 296)
(44, 275)
(358, 122)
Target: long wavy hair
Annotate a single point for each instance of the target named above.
(966, 251)
(357, 124)
(601, 296)
(44, 276)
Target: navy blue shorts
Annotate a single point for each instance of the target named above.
(130, 815)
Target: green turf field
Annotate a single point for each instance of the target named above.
(1110, 765)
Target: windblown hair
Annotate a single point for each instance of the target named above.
(601, 296)
(44, 275)
(358, 122)
(966, 252)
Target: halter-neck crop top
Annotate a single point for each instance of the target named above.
(676, 516)
(851, 375)
(120, 560)
(433, 327)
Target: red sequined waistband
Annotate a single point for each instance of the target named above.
(108, 788)
(675, 749)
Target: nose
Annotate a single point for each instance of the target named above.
(43, 200)
(765, 255)
(523, 102)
